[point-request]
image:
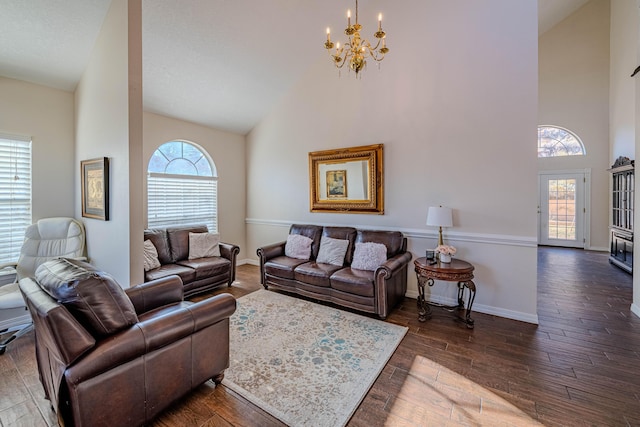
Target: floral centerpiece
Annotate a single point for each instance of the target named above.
(445, 252)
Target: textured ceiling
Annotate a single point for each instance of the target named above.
(220, 63)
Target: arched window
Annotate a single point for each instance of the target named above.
(555, 141)
(182, 187)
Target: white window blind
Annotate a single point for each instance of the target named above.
(15, 194)
(180, 200)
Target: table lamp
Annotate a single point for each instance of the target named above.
(440, 217)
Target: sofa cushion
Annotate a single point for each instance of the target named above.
(282, 266)
(203, 245)
(150, 256)
(298, 246)
(316, 274)
(332, 251)
(352, 281)
(186, 274)
(369, 255)
(93, 297)
(207, 267)
(178, 238)
(159, 239)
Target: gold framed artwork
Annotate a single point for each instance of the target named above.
(348, 180)
(94, 178)
(337, 184)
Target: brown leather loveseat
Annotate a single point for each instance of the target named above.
(113, 357)
(199, 274)
(371, 287)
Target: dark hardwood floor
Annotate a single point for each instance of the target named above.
(579, 367)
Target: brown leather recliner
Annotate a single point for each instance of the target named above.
(113, 357)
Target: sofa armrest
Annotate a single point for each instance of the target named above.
(156, 293)
(230, 252)
(212, 310)
(265, 253)
(390, 282)
(393, 265)
(165, 329)
(151, 334)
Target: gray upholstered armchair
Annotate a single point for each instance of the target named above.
(48, 238)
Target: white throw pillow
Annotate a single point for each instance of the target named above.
(332, 251)
(150, 256)
(204, 245)
(298, 246)
(368, 256)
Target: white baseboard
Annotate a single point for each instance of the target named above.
(481, 308)
(635, 309)
(248, 261)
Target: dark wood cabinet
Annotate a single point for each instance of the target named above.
(622, 173)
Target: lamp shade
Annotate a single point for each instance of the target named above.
(440, 217)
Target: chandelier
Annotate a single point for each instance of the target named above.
(357, 50)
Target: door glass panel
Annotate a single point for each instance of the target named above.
(562, 209)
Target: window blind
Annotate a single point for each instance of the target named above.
(180, 200)
(15, 194)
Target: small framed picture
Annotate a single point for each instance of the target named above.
(337, 184)
(431, 255)
(94, 176)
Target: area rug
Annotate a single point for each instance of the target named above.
(305, 363)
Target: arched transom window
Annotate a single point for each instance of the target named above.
(182, 187)
(555, 141)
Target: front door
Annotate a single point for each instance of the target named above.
(562, 209)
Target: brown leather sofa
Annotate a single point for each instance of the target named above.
(113, 357)
(198, 275)
(376, 291)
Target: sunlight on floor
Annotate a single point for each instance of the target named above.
(434, 395)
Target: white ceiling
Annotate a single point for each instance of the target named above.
(214, 62)
(551, 12)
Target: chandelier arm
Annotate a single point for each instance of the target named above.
(378, 57)
(373, 52)
(338, 59)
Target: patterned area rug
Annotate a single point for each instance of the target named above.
(304, 363)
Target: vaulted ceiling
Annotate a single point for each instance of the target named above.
(220, 63)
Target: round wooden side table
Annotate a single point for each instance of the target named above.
(458, 271)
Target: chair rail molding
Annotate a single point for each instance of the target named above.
(452, 236)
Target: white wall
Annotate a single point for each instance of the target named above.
(108, 119)
(228, 153)
(574, 94)
(455, 104)
(625, 100)
(46, 115)
(624, 59)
